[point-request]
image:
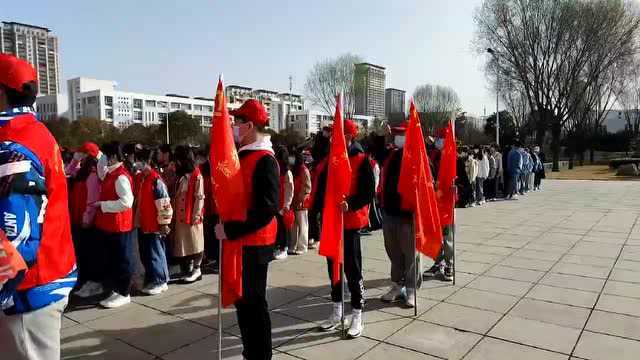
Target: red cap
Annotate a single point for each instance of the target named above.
(15, 72)
(252, 110)
(89, 148)
(350, 128)
(401, 128)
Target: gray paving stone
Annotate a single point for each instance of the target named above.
(483, 300)
(507, 272)
(619, 304)
(600, 346)
(435, 340)
(525, 263)
(622, 289)
(81, 342)
(500, 286)
(558, 314)
(535, 333)
(625, 275)
(494, 349)
(573, 282)
(462, 317)
(340, 350)
(581, 270)
(563, 296)
(387, 351)
(614, 324)
(589, 260)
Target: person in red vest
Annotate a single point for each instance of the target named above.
(356, 218)
(283, 238)
(34, 204)
(152, 218)
(302, 188)
(114, 220)
(258, 233)
(85, 190)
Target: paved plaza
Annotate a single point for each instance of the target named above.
(554, 275)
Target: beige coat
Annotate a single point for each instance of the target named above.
(188, 239)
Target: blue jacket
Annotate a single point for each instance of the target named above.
(515, 162)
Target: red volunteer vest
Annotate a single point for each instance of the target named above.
(315, 176)
(78, 201)
(56, 256)
(148, 213)
(114, 222)
(359, 218)
(297, 187)
(266, 235)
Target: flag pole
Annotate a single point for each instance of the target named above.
(220, 300)
(453, 229)
(416, 273)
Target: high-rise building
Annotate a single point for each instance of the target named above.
(369, 94)
(394, 104)
(39, 47)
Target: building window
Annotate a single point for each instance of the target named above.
(137, 103)
(175, 106)
(137, 115)
(162, 117)
(197, 107)
(108, 100)
(109, 113)
(186, 106)
(208, 108)
(150, 103)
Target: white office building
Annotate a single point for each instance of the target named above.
(278, 105)
(52, 107)
(308, 122)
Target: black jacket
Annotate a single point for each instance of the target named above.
(391, 201)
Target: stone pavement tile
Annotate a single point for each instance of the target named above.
(81, 342)
(560, 249)
(437, 293)
(554, 237)
(387, 351)
(535, 333)
(625, 275)
(622, 289)
(199, 307)
(537, 254)
(563, 296)
(628, 265)
(92, 312)
(573, 282)
(483, 300)
(66, 322)
(494, 349)
(559, 230)
(173, 290)
(337, 349)
(383, 329)
(309, 308)
(397, 309)
(558, 314)
(507, 272)
(207, 348)
(472, 267)
(516, 242)
(631, 252)
(614, 324)
(600, 346)
(619, 304)
(589, 260)
(581, 270)
(150, 330)
(435, 340)
(487, 249)
(461, 317)
(531, 264)
(617, 240)
(283, 328)
(596, 249)
(480, 257)
(500, 286)
(282, 356)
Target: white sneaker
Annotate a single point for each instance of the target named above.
(155, 289)
(312, 244)
(334, 320)
(356, 328)
(280, 254)
(300, 252)
(395, 294)
(410, 298)
(196, 275)
(115, 301)
(89, 289)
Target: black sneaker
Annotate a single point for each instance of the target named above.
(447, 274)
(435, 269)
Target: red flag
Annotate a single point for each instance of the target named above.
(228, 194)
(338, 183)
(447, 177)
(417, 193)
(10, 260)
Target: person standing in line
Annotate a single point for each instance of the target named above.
(32, 180)
(532, 169)
(258, 233)
(356, 217)
(302, 189)
(188, 203)
(286, 197)
(320, 152)
(398, 227)
(539, 173)
(489, 184)
(515, 170)
(152, 218)
(483, 173)
(499, 183)
(211, 242)
(471, 167)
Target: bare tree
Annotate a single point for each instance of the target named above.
(556, 49)
(436, 103)
(330, 76)
(628, 96)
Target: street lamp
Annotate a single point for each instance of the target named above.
(495, 57)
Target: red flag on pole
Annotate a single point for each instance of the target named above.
(228, 194)
(447, 177)
(338, 182)
(417, 193)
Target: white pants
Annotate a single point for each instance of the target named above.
(34, 335)
(300, 233)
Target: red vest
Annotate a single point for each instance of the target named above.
(56, 256)
(315, 176)
(359, 218)
(114, 222)
(78, 201)
(147, 210)
(266, 235)
(297, 187)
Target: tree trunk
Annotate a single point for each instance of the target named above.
(591, 156)
(571, 156)
(581, 158)
(556, 131)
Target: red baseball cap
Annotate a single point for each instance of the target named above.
(14, 72)
(89, 148)
(252, 110)
(401, 128)
(350, 128)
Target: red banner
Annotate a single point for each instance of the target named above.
(447, 177)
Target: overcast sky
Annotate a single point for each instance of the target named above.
(180, 46)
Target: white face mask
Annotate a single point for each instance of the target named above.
(292, 160)
(439, 144)
(399, 140)
(236, 134)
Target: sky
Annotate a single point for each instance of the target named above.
(170, 46)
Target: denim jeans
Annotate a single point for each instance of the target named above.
(121, 263)
(154, 258)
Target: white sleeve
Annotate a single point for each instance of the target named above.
(288, 190)
(125, 195)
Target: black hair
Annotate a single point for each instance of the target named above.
(25, 97)
(299, 164)
(87, 166)
(282, 155)
(145, 155)
(113, 149)
(165, 148)
(186, 162)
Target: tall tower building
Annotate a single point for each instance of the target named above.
(39, 47)
(394, 104)
(369, 83)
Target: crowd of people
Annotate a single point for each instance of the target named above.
(76, 225)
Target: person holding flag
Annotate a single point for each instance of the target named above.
(350, 189)
(248, 232)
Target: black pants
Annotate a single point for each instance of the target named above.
(252, 310)
(121, 261)
(90, 254)
(211, 243)
(352, 269)
(538, 179)
(282, 238)
(490, 188)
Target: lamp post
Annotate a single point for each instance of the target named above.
(495, 57)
